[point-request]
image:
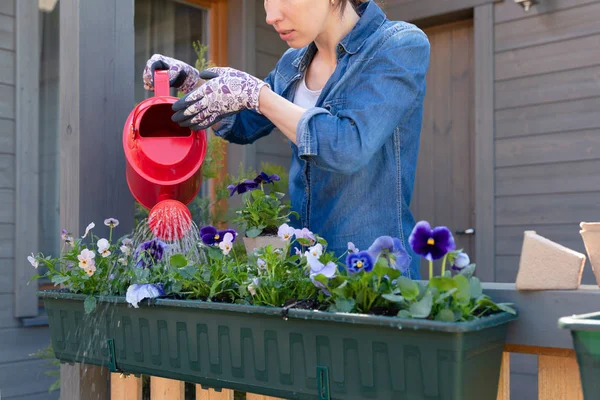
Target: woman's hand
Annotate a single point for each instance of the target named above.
(181, 75)
(227, 91)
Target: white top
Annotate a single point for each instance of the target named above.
(305, 97)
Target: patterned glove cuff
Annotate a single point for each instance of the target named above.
(189, 84)
(257, 102)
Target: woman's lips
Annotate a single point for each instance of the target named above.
(285, 35)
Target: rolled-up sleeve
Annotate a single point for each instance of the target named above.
(390, 88)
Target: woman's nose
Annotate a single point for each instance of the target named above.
(273, 12)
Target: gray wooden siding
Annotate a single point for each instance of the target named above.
(547, 145)
(275, 148)
(21, 376)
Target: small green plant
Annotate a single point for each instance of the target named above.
(47, 353)
(262, 211)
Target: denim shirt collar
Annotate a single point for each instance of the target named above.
(371, 18)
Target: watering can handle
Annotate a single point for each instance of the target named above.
(161, 83)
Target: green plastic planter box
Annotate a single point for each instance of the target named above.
(585, 331)
(293, 354)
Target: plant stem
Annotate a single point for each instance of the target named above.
(430, 269)
(110, 235)
(444, 264)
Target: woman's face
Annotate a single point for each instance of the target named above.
(298, 22)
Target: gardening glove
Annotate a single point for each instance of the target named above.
(182, 76)
(226, 91)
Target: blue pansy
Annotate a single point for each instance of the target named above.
(361, 261)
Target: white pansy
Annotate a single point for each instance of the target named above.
(315, 251)
(88, 229)
(103, 247)
(285, 232)
(34, 263)
(86, 258)
(126, 250)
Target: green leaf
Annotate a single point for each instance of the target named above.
(344, 305)
(394, 298)
(382, 269)
(89, 304)
(215, 253)
(445, 315)
(422, 308)
(58, 279)
(445, 295)
(475, 287)
(485, 301)
(178, 260)
(253, 232)
(33, 278)
(404, 314)
(468, 271)
(343, 290)
(187, 272)
(463, 294)
(408, 288)
(507, 308)
(443, 284)
(303, 241)
(322, 278)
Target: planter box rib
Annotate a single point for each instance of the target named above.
(293, 354)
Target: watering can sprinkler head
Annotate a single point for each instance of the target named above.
(170, 220)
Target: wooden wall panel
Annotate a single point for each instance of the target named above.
(548, 118)
(574, 176)
(550, 57)
(563, 208)
(549, 88)
(548, 148)
(7, 32)
(509, 10)
(544, 28)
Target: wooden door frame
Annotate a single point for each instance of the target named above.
(218, 49)
(430, 12)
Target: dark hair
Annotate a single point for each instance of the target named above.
(341, 4)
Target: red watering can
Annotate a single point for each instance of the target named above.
(163, 162)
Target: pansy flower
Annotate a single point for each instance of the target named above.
(285, 232)
(361, 261)
(211, 236)
(242, 187)
(149, 253)
(264, 178)
(227, 243)
(432, 244)
(393, 251)
(111, 222)
(461, 261)
(136, 293)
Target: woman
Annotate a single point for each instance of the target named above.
(348, 94)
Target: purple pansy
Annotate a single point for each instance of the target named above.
(304, 233)
(242, 187)
(137, 293)
(432, 244)
(149, 253)
(211, 236)
(361, 261)
(399, 260)
(264, 178)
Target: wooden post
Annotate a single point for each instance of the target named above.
(504, 382)
(211, 394)
(27, 154)
(252, 396)
(96, 95)
(124, 387)
(166, 389)
(558, 378)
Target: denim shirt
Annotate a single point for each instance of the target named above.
(352, 171)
